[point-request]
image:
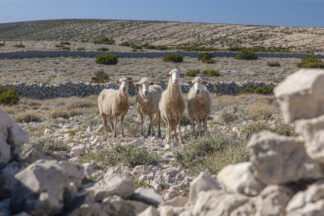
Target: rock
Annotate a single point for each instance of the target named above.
(4, 152)
(78, 150)
(170, 211)
(47, 132)
(112, 185)
(176, 202)
(35, 154)
(148, 196)
(312, 131)
(279, 159)
(309, 202)
(273, 200)
(203, 182)
(88, 208)
(7, 178)
(43, 186)
(150, 211)
(239, 178)
(217, 203)
(301, 95)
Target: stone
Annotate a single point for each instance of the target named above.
(170, 211)
(150, 211)
(43, 186)
(78, 150)
(35, 154)
(148, 196)
(312, 131)
(203, 182)
(217, 203)
(179, 201)
(239, 178)
(309, 202)
(301, 95)
(7, 178)
(278, 159)
(4, 152)
(112, 185)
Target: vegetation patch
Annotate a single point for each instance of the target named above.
(20, 45)
(310, 62)
(175, 57)
(273, 64)
(104, 49)
(101, 39)
(206, 58)
(193, 73)
(158, 47)
(136, 47)
(100, 77)
(261, 49)
(125, 43)
(211, 73)
(259, 111)
(64, 43)
(254, 89)
(49, 145)
(8, 96)
(196, 48)
(66, 114)
(29, 116)
(2, 44)
(246, 54)
(81, 49)
(128, 155)
(107, 59)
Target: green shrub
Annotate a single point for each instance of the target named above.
(176, 58)
(107, 59)
(246, 54)
(193, 73)
(101, 39)
(50, 145)
(273, 64)
(66, 48)
(128, 155)
(254, 89)
(261, 49)
(158, 47)
(196, 48)
(206, 58)
(80, 48)
(8, 96)
(63, 43)
(2, 44)
(104, 49)
(136, 47)
(20, 45)
(310, 62)
(211, 73)
(125, 43)
(100, 77)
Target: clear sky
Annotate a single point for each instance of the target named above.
(257, 12)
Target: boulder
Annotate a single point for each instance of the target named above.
(312, 131)
(203, 182)
(4, 153)
(309, 202)
(301, 95)
(179, 201)
(7, 178)
(112, 185)
(43, 186)
(35, 154)
(150, 211)
(148, 196)
(239, 178)
(278, 159)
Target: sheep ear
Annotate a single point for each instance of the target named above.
(204, 83)
(189, 83)
(182, 75)
(151, 83)
(137, 85)
(117, 81)
(167, 75)
(130, 82)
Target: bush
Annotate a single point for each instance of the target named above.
(2, 44)
(246, 54)
(80, 48)
(136, 47)
(206, 58)
(196, 48)
(20, 45)
(128, 155)
(66, 48)
(8, 96)
(29, 116)
(158, 47)
(49, 145)
(66, 114)
(211, 73)
(100, 77)
(101, 39)
(254, 89)
(63, 43)
(261, 49)
(107, 59)
(125, 43)
(259, 111)
(193, 73)
(273, 64)
(176, 58)
(310, 62)
(104, 49)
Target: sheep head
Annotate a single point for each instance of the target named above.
(197, 82)
(175, 76)
(143, 86)
(124, 83)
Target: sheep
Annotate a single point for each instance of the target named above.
(199, 103)
(172, 104)
(113, 103)
(147, 104)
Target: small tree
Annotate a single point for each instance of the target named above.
(107, 59)
(246, 54)
(310, 62)
(176, 58)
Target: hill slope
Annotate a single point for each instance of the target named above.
(167, 33)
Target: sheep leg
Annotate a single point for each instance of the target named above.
(168, 132)
(199, 126)
(205, 125)
(193, 125)
(159, 126)
(122, 124)
(104, 122)
(115, 128)
(151, 128)
(179, 123)
(111, 123)
(142, 124)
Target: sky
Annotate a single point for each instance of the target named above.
(309, 13)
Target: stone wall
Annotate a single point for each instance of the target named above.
(81, 89)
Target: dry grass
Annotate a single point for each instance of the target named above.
(29, 116)
(259, 111)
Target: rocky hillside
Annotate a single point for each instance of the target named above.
(167, 33)
(283, 177)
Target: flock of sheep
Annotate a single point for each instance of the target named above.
(152, 102)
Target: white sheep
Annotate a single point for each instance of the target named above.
(147, 104)
(172, 104)
(199, 103)
(113, 103)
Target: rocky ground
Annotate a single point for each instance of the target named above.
(58, 70)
